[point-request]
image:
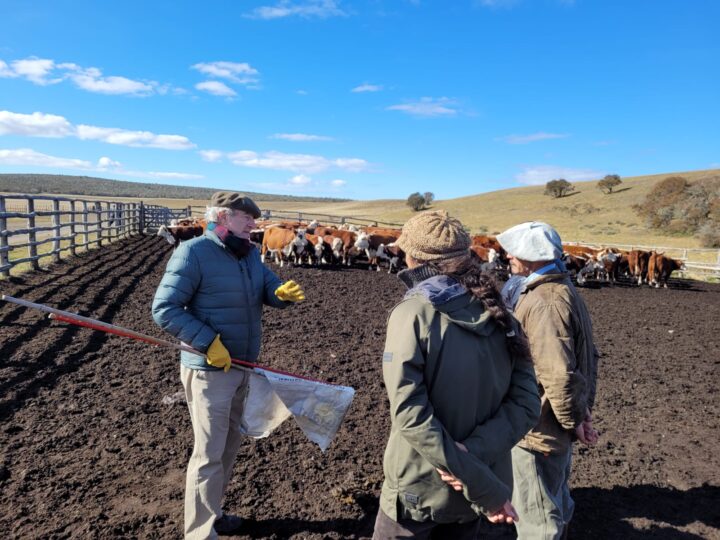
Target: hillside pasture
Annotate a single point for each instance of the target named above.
(95, 441)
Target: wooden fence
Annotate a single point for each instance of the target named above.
(46, 226)
(33, 227)
(307, 217)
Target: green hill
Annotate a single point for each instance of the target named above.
(101, 187)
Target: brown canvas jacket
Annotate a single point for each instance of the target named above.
(557, 323)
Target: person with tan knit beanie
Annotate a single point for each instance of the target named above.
(462, 391)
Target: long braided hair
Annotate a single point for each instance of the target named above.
(467, 271)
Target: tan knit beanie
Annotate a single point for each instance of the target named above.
(433, 235)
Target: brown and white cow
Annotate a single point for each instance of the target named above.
(278, 242)
(377, 243)
(182, 229)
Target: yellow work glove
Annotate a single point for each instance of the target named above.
(218, 356)
(290, 292)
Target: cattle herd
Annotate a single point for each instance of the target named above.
(298, 243)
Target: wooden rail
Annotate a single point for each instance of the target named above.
(33, 227)
(310, 216)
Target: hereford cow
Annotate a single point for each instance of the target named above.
(638, 263)
(181, 230)
(660, 267)
(377, 242)
(278, 241)
(321, 252)
(353, 244)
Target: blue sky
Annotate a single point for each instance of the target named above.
(359, 99)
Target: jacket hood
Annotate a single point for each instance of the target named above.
(452, 299)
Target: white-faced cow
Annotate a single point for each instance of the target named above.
(181, 230)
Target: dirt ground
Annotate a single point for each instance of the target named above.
(88, 448)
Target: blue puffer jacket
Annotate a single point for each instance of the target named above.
(206, 291)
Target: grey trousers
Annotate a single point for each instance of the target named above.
(541, 495)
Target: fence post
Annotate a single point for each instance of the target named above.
(86, 235)
(56, 230)
(72, 229)
(141, 223)
(98, 212)
(4, 255)
(32, 238)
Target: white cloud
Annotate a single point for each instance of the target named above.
(427, 107)
(300, 163)
(212, 156)
(105, 163)
(300, 137)
(40, 124)
(216, 88)
(92, 80)
(338, 182)
(537, 175)
(29, 157)
(300, 180)
(40, 70)
(533, 137)
(351, 164)
(36, 124)
(367, 88)
(301, 92)
(320, 9)
(141, 139)
(5, 71)
(35, 70)
(237, 72)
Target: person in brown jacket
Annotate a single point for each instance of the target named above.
(559, 330)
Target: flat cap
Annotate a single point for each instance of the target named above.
(236, 201)
(532, 241)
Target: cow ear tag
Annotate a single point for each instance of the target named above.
(387, 357)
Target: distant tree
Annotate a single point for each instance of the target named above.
(558, 188)
(607, 184)
(416, 201)
(429, 197)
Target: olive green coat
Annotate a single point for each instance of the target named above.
(449, 378)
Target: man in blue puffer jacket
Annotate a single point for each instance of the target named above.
(211, 297)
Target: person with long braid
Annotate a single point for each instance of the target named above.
(461, 387)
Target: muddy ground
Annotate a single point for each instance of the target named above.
(88, 449)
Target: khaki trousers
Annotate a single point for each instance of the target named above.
(541, 495)
(216, 400)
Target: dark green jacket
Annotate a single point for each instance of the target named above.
(449, 378)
